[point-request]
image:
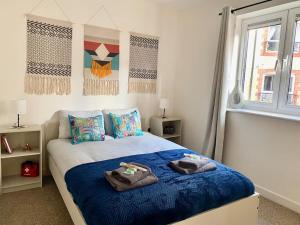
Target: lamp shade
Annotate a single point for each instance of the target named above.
(21, 106)
(164, 103)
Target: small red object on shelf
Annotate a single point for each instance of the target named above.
(30, 169)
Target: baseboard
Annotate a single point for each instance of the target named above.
(279, 199)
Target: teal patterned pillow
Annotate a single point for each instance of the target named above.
(126, 125)
(87, 129)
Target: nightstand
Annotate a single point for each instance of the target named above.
(158, 127)
(10, 164)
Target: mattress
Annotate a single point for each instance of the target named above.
(67, 156)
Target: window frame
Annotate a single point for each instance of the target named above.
(257, 22)
(283, 106)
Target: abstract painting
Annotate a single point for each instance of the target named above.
(101, 61)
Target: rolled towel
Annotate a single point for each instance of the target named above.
(190, 163)
(121, 175)
(120, 186)
(209, 166)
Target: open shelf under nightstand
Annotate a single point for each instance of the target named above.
(10, 163)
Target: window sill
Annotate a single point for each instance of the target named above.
(268, 114)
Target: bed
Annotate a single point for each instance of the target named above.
(63, 157)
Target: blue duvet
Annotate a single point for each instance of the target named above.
(175, 197)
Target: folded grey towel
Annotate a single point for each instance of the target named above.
(193, 164)
(120, 186)
(130, 178)
(209, 166)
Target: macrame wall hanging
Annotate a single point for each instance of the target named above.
(49, 52)
(101, 61)
(142, 63)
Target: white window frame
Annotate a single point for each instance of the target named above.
(283, 106)
(257, 22)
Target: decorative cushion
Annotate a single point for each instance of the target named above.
(64, 125)
(87, 129)
(107, 119)
(126, 125)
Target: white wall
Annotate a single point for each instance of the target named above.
(264, 149)
(267, 150)
(130, 15)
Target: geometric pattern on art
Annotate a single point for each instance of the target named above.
(143, 58)
(49, 52)
(101, 61)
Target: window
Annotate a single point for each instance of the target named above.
(297, 37)
(291, 90)
(266, 93)
(268, 83)
(269, 68)
(273, 38)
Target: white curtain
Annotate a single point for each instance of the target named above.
(214, 138)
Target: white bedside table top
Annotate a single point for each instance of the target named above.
(9, 129)
(168, 118)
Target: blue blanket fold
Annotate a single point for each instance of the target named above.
(175, 197)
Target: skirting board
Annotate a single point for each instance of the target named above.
(244, 211)
(281, 200)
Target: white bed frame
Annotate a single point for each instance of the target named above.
(241, 212)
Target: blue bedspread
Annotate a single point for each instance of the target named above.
(175, 197)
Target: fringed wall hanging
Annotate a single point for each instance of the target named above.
(49, 51)
(143, 63)
(101, 61)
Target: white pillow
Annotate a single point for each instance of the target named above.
(107, 121)
(64, 124)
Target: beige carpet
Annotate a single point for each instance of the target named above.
(45, 207)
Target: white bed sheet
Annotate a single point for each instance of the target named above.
(67, 155)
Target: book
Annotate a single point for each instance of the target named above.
(5, 144)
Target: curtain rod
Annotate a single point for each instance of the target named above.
(247, 6)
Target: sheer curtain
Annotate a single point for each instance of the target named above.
(214, 138)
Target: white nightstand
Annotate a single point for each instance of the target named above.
(157, 125)
(10, 164)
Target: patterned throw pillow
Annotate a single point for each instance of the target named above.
(126, 125)
(87, 129)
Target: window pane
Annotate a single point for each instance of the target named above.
(294, 78)
(268, 83)
(259, 69)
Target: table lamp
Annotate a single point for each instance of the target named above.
(21, 108)
(164, 104)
